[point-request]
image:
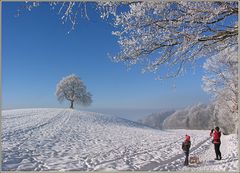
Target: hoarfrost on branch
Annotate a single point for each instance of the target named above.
(173, 35)
(167, 37)
(221, 81)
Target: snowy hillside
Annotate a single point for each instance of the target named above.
(64, 139)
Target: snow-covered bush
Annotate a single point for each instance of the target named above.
(72, 88)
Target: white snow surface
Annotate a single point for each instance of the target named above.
(67, 140)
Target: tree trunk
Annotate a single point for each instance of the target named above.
(71, 104)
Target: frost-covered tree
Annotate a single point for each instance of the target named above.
(221, 81)
(167, 37)
(156, 119)
(221, 77)
(173, 35)
(225, 119)
(192, 117)
(72, 89)
(187, 123)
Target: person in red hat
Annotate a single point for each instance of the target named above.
(186, 147)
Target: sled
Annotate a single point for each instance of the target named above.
(194, 160)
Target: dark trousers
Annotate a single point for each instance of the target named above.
(217, 151)
(186, 159)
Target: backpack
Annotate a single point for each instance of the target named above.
(186, 145)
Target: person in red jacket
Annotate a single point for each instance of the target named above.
(216, 134)
(186, 146)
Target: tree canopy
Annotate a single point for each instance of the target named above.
(72, 88)
(173, 35)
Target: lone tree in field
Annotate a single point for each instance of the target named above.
(72, 88)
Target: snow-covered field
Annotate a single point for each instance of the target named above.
(64, 139)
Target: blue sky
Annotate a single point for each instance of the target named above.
(38, 52)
